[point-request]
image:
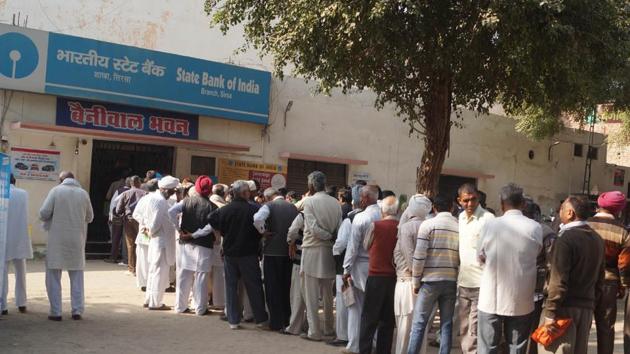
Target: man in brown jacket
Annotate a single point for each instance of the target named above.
(577, 273)
(617, 276)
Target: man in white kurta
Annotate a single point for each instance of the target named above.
(142, 239)
(194, 254)
(65, 213)
(356, 261)
(322, 218)
(161, 251)
(216, 286)
(19, 247)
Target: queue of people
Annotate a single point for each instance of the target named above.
(381, 272)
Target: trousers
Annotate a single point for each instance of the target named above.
(444, 294)
(493, 328)
(218, 286)
(19, 267)
(468, 299)
(277, 274)
(532, 346)
(157, 280)
(354, 320)
(298, 306)
(341, 316)
(131, 231)
(378, 314)
(117, 233)
(575, 339)
(188, 280)
(247, 269)
(142, 265)
(313, 287)
(404, 302)
(605, 315)
(53, 289)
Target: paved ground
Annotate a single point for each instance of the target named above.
(115, 322)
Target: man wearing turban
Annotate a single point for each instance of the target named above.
(161, 251)
(196, 239)
(617, 272)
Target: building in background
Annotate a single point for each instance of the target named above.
(167, 70)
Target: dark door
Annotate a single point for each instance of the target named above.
(450, 184)
(298, 170)
(111, 159)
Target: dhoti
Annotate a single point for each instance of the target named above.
(157, 277)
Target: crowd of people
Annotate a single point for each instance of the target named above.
(381, 266)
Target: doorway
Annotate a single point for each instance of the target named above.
(298, 171)
(111, 159)
(450, 184)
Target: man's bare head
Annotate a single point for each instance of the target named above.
(369, 195)
(65, 174)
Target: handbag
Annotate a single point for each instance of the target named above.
(347, 291)
(544, 336)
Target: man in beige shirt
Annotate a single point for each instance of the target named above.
(322, 218)
(471, 220)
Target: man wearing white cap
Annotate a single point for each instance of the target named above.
(161, 252)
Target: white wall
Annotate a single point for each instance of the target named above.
(338, 126)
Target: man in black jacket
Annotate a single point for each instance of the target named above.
(194, 254)
(576, 278)
(273, 221)
(241, 242)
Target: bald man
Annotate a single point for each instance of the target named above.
(355, 264)
(378, 308)
(65, 213)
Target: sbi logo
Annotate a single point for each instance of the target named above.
(18, 55)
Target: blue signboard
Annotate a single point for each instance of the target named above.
(5, 172)
(126, 119)
(63, 65)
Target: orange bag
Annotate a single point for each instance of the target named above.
(545, 337)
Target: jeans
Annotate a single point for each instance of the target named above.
(444, 293)
(492, 327)
(247, 269)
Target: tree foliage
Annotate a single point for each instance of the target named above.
(538, 59)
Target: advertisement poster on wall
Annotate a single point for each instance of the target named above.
(268, 175)
(5, 171)
(619, 177)
(35, 164)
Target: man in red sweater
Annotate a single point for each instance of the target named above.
(378, 308)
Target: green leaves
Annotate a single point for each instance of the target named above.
(539, 59)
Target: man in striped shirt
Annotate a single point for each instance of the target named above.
(435, 264)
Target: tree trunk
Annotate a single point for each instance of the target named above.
(437, 121)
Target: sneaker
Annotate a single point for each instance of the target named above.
(235, 326)
(128, 273)
(122, 264)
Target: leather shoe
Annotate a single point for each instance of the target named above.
(55, 318)
(5, 312)
(170, 289)
(143, 289)
(77, 317)
(306, 337)
(337, 342)
(22, 309)
(161, 308)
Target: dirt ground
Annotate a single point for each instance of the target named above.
(115, 322)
